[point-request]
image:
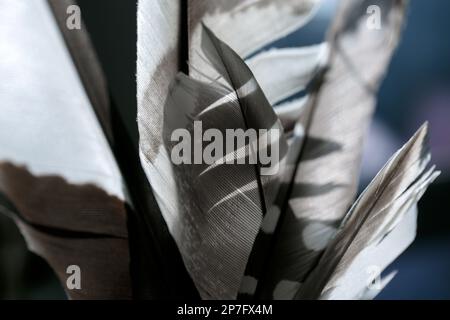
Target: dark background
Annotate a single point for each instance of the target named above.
(416, 89)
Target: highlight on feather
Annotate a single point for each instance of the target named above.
(221, 205)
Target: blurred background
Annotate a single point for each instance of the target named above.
(416, 89)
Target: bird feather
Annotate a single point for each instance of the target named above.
(60, 178)
(361, 239)
(325, 181)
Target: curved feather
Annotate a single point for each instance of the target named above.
(328, 166)
(370, 222)
(221, 206)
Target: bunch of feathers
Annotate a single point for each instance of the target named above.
(141, 227)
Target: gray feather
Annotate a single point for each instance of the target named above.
(326, 179)
(373, 217)
(220, 206)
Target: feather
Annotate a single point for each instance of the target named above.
(157, 66)
(221, 205)
(160, 47)
(248, 25)
(295, 68)
(326, 179)
(369, 233)
(89, 230)
(57, 170)
(277, 88)
(158, 54)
